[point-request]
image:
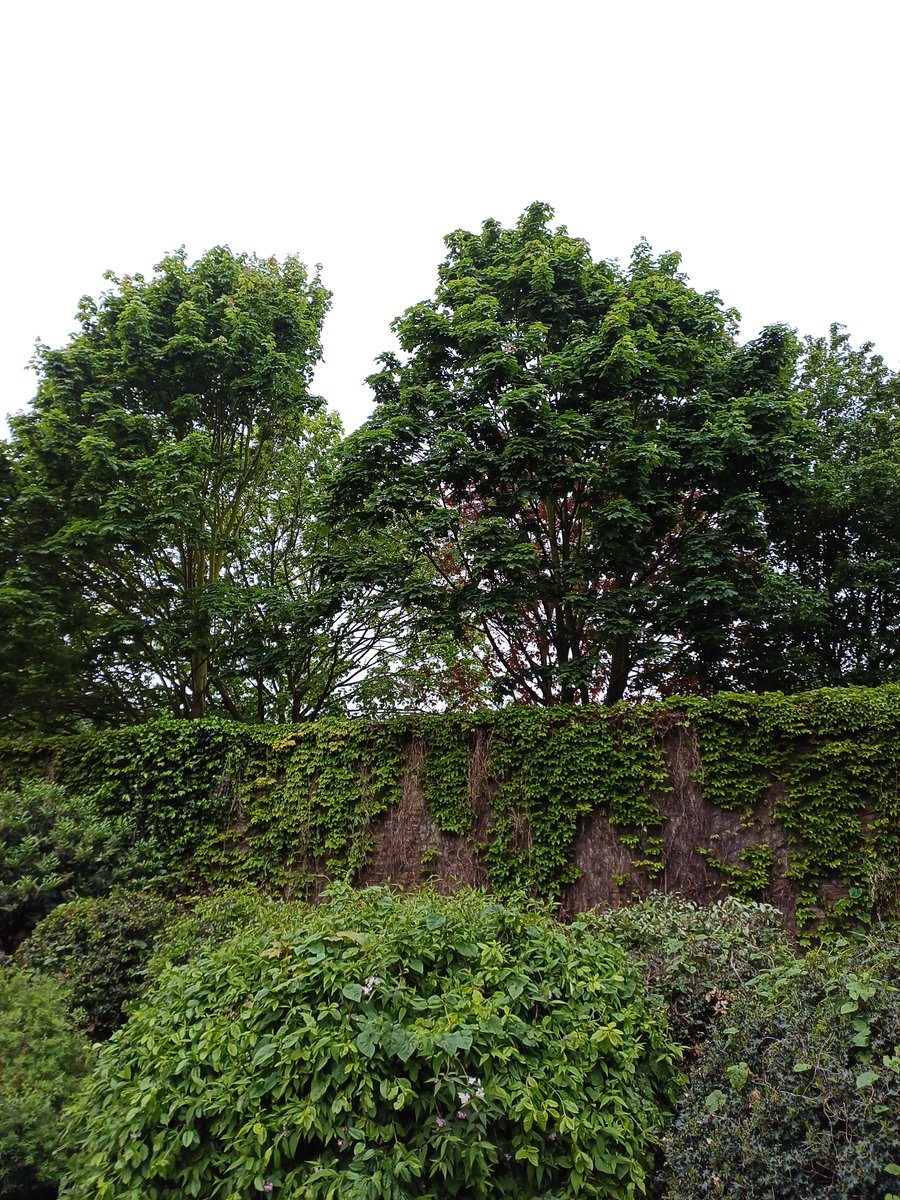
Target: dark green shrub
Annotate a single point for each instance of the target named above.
(101, 947)
(54, 847)
(696, 955)
(383, 1046)
(42, 1060)
(797, 1094)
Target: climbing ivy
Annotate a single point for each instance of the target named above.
(552, 768)
(279, 806)
(825, 768)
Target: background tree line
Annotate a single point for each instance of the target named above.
(576, 485)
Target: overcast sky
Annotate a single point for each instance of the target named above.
(759, 139)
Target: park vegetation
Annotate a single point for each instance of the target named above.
(576, 485)
(577, 489)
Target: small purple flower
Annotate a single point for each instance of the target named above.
(440, 1122)
(461, 1114)
(268, 1185)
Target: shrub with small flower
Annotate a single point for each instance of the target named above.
(384, 1046)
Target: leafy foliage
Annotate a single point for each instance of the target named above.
(797, 1093)
(583, 455)
(42, 1060)
(808, 785)
(697, 956)
(383, 1046)
(133, 494)
(210, 921)
(100, 947)
(55, 846)
(828, 763)
(830, 614)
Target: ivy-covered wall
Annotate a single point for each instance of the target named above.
(791, 799)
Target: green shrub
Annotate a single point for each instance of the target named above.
(101, 947)
(211, 920)
(797, 1095)
(383, 1046)
(696, 955)
(54, 847)
(42, 1060)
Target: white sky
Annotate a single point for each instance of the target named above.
(759, 139)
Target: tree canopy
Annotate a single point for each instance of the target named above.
(584, 455)
(577, 485)
(135, 482)
(830, 614)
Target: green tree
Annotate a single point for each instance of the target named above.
(830, 612)
(131, 492)
(300, 639)
(583, 455)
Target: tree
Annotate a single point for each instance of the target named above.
(830, 610)
(583, 455)
(130, 493)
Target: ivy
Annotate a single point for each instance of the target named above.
(225, 803)
(827, 764)
(553, 767)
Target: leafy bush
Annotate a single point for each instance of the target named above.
(696, 955)
(101, 947)
(212, 920)
(798, 1095)
(383, 1046)
(54, 847)
(42, 1059)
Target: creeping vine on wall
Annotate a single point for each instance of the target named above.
(225, 802)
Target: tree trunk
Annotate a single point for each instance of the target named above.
(619, 669)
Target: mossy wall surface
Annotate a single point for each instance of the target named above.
(795, 800)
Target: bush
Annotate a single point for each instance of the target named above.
(696, 955)
(42, 1059)
(54, 847)
(212, 920)
(101, 947)
(383, 1046)
(797, 1096)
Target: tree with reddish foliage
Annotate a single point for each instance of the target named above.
(583, 455)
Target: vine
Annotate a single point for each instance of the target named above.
(277, 806)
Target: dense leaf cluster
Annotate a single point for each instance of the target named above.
(798, 1089)
(384, 1046)
(696, 956)
(576, 484)
(43, 1058)
(53, 847)
(100, 947)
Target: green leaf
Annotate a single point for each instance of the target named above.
(738, 1074)
(368, 1041)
